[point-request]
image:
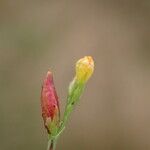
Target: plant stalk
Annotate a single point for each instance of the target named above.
(51, 144)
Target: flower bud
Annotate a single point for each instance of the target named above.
(50, 104)
(84, 69)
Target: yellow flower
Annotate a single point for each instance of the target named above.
(84, 69)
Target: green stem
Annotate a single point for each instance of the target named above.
(51, 144)
(72, 99)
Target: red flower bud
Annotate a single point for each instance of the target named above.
(50, 104)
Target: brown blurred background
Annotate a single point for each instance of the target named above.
(35, 35)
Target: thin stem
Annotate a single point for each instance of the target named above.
(72, 99)
(51, 145)
(48, 144)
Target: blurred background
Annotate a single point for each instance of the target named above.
(35, 35)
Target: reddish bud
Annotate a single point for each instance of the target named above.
(50, 104)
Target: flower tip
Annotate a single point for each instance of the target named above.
(49, 76)
(84, 68)
(49, 73)
(89, 60)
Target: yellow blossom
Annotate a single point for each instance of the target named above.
(84, 69)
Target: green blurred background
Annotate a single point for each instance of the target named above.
(35, 35)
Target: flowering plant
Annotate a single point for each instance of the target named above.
(50, 104)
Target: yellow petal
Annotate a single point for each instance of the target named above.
(84, 68)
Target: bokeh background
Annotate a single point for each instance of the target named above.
(35, 35)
